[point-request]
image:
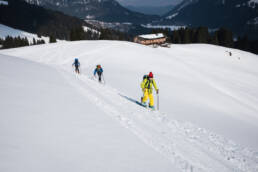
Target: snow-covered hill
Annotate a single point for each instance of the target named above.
(53, 120)
(8, 31)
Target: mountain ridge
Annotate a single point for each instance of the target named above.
(104, 10)
(35, 19)
(151, 10)
(239, 15)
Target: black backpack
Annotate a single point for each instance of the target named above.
(145, 77)
(76, 62)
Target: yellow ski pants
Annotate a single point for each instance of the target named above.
(148, 94)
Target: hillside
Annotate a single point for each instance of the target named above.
(240, 16)
(103, 10)
(151, 10)
(207, 119)
(34, 19)
(8, 31)
(54, 132)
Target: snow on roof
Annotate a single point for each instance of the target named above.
(152, 36)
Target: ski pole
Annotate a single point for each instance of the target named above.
(158, 101)
(94, 77)
(103, 79)
(142, 97)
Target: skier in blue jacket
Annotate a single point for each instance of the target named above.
(98, 71)
(76, 64)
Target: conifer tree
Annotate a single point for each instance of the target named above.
(39, 35)
(202, 35)
(52, 39)
(186, 36)
(40, 42)
(243, 43)
(34, 41)
(77, 34)
(214, 39)
(225, 37)
(176, 37)
(10, 42)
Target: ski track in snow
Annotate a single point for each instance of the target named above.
(184, 144)
(189, 147)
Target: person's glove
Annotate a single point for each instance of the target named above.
(157, 91)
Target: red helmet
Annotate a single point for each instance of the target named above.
(150, 75)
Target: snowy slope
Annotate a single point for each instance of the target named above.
(8, 31)
(208, 119)
(48, 125)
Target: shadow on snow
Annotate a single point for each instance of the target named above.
(132, 100)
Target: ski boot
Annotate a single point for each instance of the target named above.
(144, 104)
(152, 107)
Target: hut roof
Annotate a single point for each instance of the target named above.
(152, 36)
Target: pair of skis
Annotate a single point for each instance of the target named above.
(146, 106)
(96, 79)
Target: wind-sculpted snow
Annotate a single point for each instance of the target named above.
(208, 96)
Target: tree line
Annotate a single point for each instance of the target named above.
(76, 34)
(14, 42)
(222, 37)
(35, 19)
(56, 25)
(10, 42)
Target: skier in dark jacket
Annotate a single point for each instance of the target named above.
(76, 64)
(98, 71)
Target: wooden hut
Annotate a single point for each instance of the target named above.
(151, 39)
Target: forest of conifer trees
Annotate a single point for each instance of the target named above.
(221, 37)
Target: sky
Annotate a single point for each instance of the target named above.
(148, 2)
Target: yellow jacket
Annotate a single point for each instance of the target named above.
(149, 84)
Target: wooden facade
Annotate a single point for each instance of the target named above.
(150, 39)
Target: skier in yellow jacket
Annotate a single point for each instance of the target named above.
(147, 85)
